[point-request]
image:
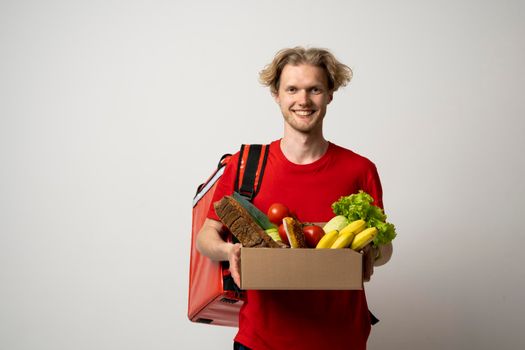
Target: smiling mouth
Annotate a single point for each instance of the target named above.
(304, 113)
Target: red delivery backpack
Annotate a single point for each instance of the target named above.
(213, 296)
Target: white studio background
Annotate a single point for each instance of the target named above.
(112, 112)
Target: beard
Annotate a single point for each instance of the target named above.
(304, 125)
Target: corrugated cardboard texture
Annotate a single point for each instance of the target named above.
(323, 269)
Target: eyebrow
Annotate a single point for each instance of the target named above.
(316, 86)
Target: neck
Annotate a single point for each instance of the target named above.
(301, 148)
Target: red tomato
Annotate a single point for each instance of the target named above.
(277, 212)
(312, 235)
(282, 234)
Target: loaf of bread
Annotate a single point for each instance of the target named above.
(241, 224)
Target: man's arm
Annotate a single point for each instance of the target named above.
(211, 244)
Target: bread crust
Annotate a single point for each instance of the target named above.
(241, 224)
(294, 231)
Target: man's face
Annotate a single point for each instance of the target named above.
(303, 96)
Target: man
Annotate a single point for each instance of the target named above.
(307, 173)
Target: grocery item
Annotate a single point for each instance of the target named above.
(359, 206)
(338, 222)
(242, 225)
(364, 238)
(327, 240)
(294, 232)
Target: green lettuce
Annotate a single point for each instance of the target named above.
(359, 206)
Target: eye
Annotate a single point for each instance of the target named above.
(291, 89)
(316, 90)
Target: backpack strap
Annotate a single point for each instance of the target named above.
(250, 170)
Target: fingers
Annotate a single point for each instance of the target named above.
(236, 278)
(235, 263)
(368, 272)
(368, 263)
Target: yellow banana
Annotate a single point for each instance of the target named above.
(355, 226)
(327, 240)
(347, 234)
(363, 238)
(343, 240)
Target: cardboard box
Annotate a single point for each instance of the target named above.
(323, 269)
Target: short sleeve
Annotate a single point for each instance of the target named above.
(373, 185)
(225, 185)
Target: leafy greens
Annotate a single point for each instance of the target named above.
(359, 206)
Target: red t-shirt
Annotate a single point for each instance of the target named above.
(306, 319)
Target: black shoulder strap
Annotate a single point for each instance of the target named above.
(250, 169)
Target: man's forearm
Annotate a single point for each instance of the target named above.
(210, 242)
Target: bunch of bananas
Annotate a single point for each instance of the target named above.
(354, 235)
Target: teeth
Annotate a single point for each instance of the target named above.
(304, 113)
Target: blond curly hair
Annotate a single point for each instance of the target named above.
(338, 74)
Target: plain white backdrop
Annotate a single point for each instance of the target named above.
(112, 112)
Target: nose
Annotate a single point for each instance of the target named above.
(303, 98)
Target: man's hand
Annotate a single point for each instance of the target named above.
(369, 257)
(375, 256)
(234, 257)
(211, 244)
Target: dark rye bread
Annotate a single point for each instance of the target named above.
(241, 224)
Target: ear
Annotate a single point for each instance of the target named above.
(330, 97)
(276, 97)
